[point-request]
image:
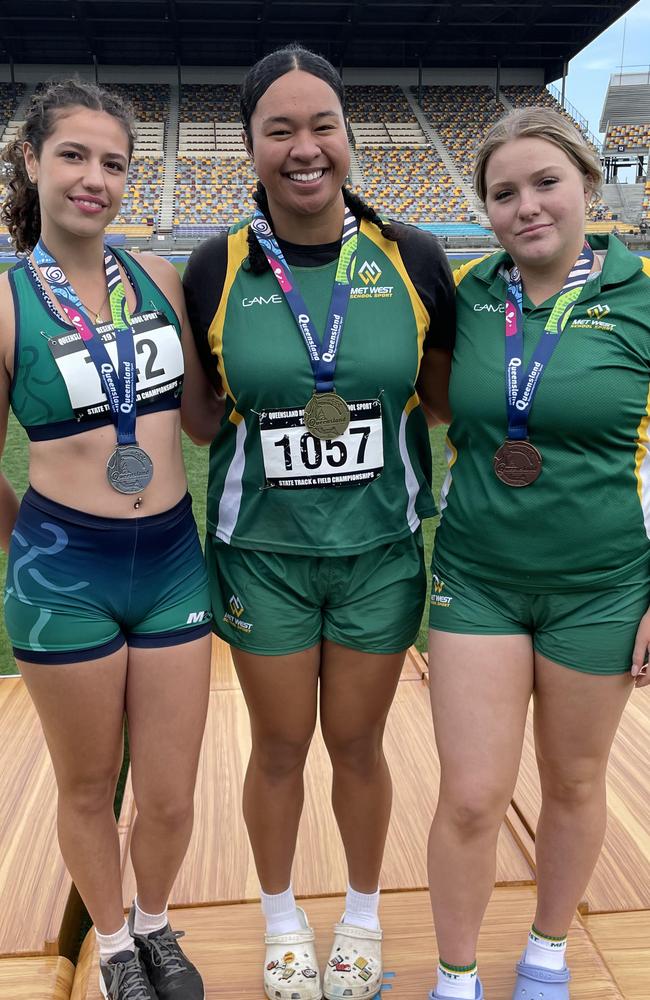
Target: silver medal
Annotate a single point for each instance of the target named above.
(129, 469)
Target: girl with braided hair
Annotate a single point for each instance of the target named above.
(325, 327)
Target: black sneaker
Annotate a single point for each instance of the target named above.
(124, 978)
(170, 972)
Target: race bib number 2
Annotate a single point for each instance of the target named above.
(158, 358)
(295, 459)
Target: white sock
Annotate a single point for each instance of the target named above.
(113, 944)
(281, 912)
(456, 981)
(545, 951)
(361, 909)
(147, 923)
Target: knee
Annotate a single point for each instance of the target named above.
(89, 794)
(471, 811)
(280, 758)
(360, 756)
(165, 810)
(576, 787)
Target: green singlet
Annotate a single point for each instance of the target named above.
(39, 396)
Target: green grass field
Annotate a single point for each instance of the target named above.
(14, 466)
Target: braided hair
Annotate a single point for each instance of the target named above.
(257, 81)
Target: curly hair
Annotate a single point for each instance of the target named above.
(21, 210)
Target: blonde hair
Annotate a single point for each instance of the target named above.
(539, 123)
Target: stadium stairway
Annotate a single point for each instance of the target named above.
(166, 211)
(434, 139)
(214, 898)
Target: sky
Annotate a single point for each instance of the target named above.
(589, 72)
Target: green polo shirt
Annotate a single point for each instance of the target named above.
(586, 520)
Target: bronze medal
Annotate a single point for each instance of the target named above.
(517, 463)
(129, 469)
(327, 415)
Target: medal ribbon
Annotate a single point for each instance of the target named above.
(520, 390)
(120, 385)
(322, 353)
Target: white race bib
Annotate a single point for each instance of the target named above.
(295, 459)
(158, 358)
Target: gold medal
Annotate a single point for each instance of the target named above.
(327, 415)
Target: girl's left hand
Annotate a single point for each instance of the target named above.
(639, 669)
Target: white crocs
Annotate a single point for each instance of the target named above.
(291, 966)
(354, 969)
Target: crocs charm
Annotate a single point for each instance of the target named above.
(351, 972)
(285, 968)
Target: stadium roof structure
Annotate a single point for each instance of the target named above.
(371, 33)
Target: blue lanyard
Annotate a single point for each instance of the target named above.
(520, 390)
(322, 353)
(119, 386)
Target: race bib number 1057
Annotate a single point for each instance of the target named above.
(295, 459)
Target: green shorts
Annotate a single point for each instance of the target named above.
(589, 630)
(273, 603)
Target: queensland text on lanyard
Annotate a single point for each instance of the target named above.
(331, 421)
(518, 462)
(129, 469)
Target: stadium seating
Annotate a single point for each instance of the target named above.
(212, 190)
(10, 94)
(150, 101)
(377, 104)
(203, 102)
(525, 95)
(388, 134)
(150, 138)
(142, 198)
(411, 185)
(400, 170)
(461, 116)
(645, 207)
(598, 212)
(628, 138)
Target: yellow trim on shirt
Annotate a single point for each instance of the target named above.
(411, 403)
(464, 269)
(390, 249)
(642, 445)
(237, 252)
